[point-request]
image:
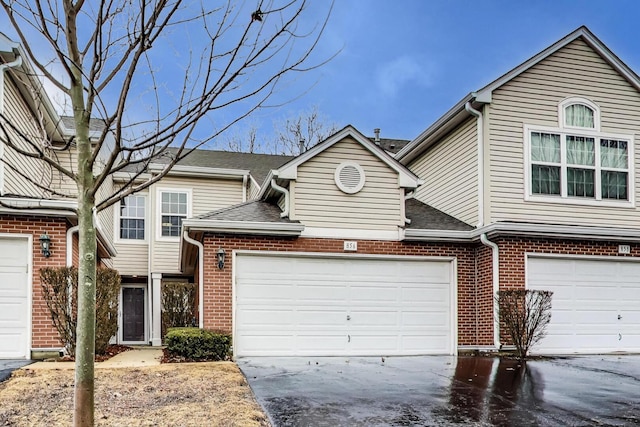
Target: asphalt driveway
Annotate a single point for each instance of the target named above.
(446, 390)
(7, 366)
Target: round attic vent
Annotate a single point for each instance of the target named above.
(349, 177)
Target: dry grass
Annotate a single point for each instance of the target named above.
(187, 394)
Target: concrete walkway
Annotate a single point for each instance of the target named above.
(134, 358)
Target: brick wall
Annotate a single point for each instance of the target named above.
(217, 283)
(43, 333)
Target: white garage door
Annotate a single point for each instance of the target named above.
(328, 306)
(14, 303)
(595, 306)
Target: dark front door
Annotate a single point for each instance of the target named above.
(133, 314)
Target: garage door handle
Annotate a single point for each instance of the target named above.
(348, 338)
(619, 317)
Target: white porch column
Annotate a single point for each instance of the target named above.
(156, 306)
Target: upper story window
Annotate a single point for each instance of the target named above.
(132, 218)
(576, 163)
(174, 209)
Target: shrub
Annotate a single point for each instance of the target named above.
(60, 290)
(525, 314)
(198, 344)
(178, 305)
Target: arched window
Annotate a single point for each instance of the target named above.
(579, 113)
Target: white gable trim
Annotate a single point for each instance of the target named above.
(589, 38)
(289, 171)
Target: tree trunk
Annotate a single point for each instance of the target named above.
(85, 342)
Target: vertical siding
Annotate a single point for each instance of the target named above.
(320, 203)
(450, 172)
(18, 112)
(207, 195)
(532, 98)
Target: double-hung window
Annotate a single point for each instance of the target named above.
(132, 218)
(173, 210)
(576, 162)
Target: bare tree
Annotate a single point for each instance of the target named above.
(109, 59)
(244, 140)
(525, 314)
(296, 134)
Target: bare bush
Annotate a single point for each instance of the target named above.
(178, 305)
(525, 314)
(60, 290)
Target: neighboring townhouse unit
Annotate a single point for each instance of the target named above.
(35, 200)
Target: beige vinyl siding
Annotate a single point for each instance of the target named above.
(532, 99)
(132, 259)
(319, 202)
(207, 195)
(450, 172)
(68, 159)
(18, 112)
(106, 216)
(253, 190)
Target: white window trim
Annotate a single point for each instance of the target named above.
(563, 198)
(116, 217)
(578, 100)
(158, 216)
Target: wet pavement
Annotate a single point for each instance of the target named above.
(447, 390)
(7, 366)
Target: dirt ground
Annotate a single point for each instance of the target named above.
(186, 394)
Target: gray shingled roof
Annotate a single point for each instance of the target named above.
(390, 145)
(94, 124)
(258, 164)
(253, 211)
(425, 217)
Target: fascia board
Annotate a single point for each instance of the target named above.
(526, 229)
(181, 170)
(128, 176)
(243, 227)
(266, 185)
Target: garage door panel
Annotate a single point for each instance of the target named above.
(595, 303)
(383, 298)
(14, 301)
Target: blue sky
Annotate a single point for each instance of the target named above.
(402, 64)
(405, 63)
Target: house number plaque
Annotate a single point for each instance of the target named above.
(350, 246)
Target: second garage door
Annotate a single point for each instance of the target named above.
(595, 305)
(329, 306)
(14, 298)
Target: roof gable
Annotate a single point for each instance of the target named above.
(458, 113)
(405, 177)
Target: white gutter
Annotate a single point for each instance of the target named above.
(275, 186)
(15, 63)
(70, 232)
(496, 287)
(182, 170)
(200, 246)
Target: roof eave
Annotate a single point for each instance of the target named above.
(243, 227)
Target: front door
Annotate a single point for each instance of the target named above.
(133, 311)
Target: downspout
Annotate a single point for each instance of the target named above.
(285, 212)
(3, 67)
(200, 246)
(495, 252)
(70, 244)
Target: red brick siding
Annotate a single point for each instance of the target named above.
(217, 283)
(43, 333)
(513, 251)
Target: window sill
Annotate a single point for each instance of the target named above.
(622, 204)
